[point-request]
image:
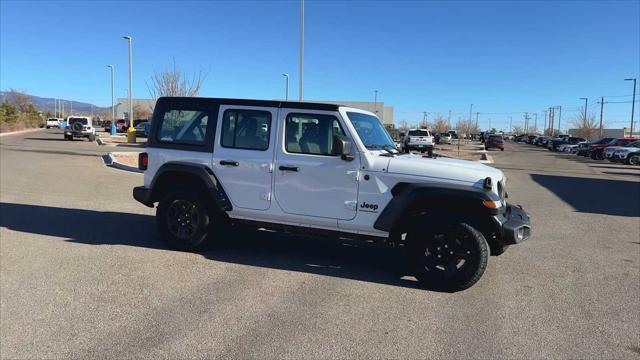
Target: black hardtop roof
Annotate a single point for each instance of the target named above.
(252, 102)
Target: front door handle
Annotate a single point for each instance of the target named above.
(229, 162)
(288, 168)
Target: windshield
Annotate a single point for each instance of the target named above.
(83, 121)
(371, 131)
(419, 133)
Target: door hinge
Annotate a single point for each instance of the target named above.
(354, 173)
(265, 196)
(268, 166)
(351, 205)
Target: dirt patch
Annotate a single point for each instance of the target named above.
(129, 159)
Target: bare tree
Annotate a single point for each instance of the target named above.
(440, 124)
(141, 111)
(518, 130)
(585, 127)
(20, 99)
(466, 127)
(423, 124)
(173, 82)
(403, 126)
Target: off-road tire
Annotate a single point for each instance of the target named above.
(175, 217)
(469, 259)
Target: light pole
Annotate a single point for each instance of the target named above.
(633, 103)
(113, 109)
(559, 118)
(586, 101)
(375, 101)
(535, 122)
(471, 113)
(301, 47)
(286, 87)
(131, 131)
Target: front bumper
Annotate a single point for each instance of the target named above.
(515, 225)
(143, 195)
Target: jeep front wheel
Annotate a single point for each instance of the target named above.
(183, 220)
(448, 258)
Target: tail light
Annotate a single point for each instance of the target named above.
(143, 161)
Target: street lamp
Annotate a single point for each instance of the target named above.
(113, 108)
(633, 102)
(131, 131)
(301, 47)
(286, 94)
(585, 109)
(375, 101)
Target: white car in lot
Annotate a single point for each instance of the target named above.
(79, 126)
(570, 148)
(322, 169)
(418, 139)
(445, 138)
(52, 123)
(626, 153)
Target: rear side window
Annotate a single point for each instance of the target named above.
(246, 129)
(419, 133)
(187, 127)
(311, 133)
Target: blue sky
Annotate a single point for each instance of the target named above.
(505, 57)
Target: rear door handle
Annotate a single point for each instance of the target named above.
(288, 168)
(229, 162)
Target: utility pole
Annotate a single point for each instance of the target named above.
(526, 123)
(477, 114)
(301, 48)
(449, 120)
(375, 102)
(601, 112)
(552, 115)
(535, 122)
(544, 128)
(633, 103)
(286, 87)
(471, 112)
(559, 118)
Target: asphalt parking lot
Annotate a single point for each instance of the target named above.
(83, 274)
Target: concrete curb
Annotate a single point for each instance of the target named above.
(20, 132)
(115, 164)
(486, 159)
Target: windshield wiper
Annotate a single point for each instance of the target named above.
(380, 147)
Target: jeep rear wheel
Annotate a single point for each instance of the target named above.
(183, 220)
(448, 258)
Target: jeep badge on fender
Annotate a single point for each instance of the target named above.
(213, 162)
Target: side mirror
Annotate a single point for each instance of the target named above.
(342, 147)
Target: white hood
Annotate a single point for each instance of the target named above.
(443, 168)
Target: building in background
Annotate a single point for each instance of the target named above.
(146, 105)
(610, 133)
(385, 113)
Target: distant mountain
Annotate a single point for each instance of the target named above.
(46, 104)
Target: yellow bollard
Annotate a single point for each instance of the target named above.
(131, 135)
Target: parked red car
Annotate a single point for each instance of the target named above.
(494, 141)
(596, 151)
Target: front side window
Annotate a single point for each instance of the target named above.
(311, 133)
(246, 129)
(371, 131)
(183, 127)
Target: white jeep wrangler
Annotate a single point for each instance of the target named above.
(328, 169)
(79, 126)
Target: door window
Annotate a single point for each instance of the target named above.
(311, 133)
(184, 127)
(246, 129)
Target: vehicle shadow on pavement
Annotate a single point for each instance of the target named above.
(597, 196)
(343, 259)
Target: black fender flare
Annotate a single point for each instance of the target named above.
(202, 172)
(442, 199)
